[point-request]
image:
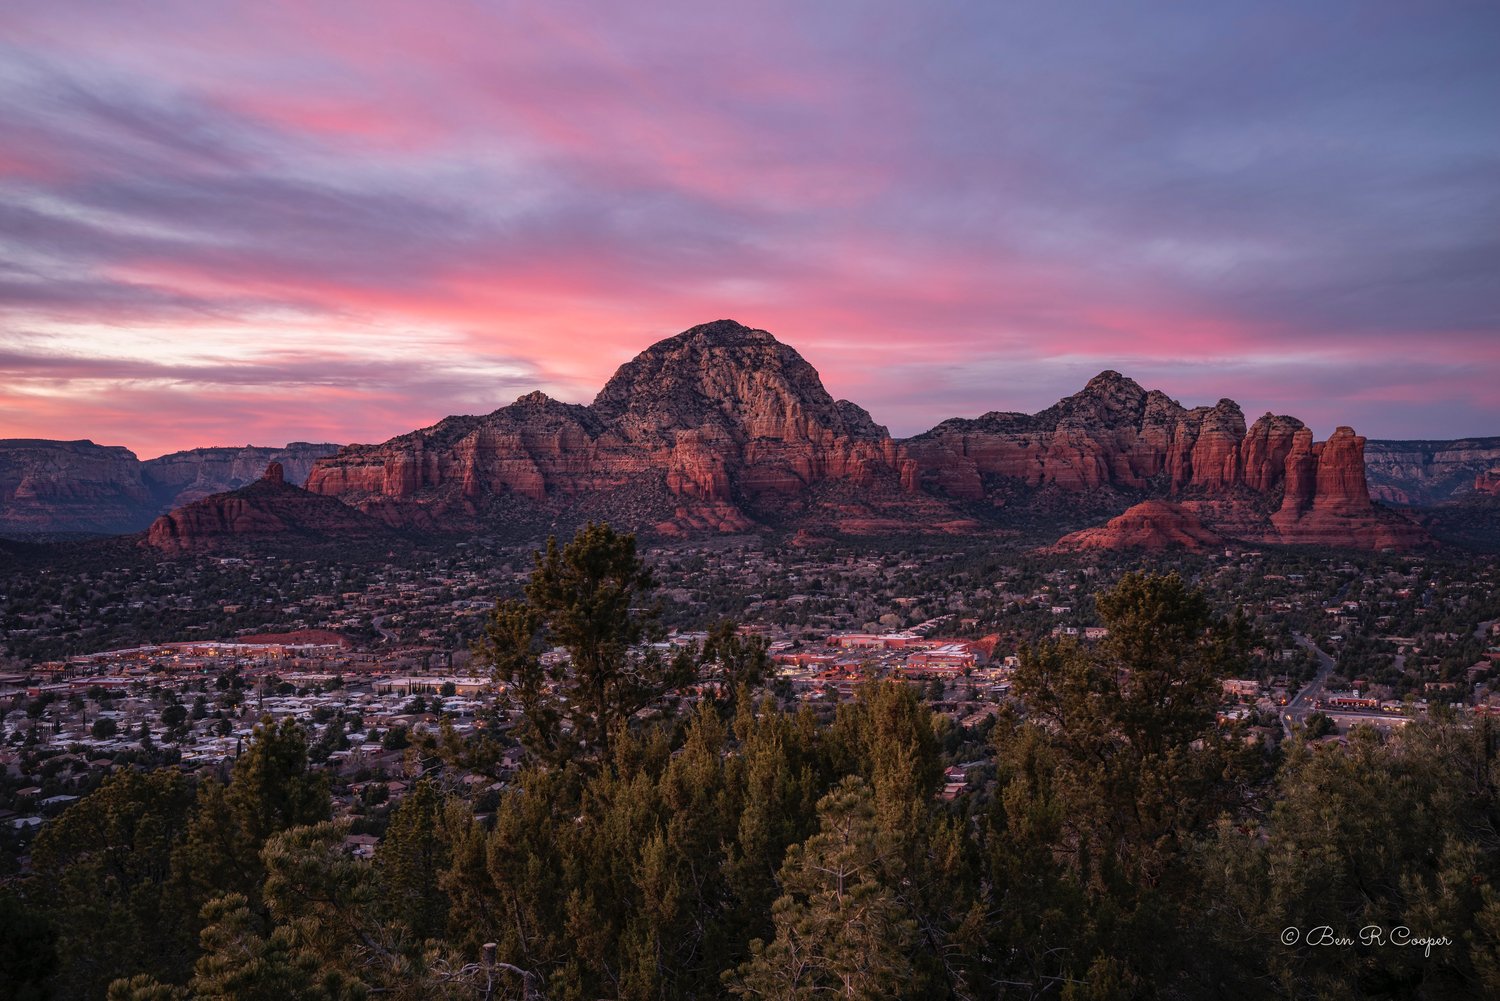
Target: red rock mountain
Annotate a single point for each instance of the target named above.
(715, 428)
(1488, 482)
(1114, 435)
(270, 509)
(723, 427)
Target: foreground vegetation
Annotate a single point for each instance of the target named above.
(1119, 842)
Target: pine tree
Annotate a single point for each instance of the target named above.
(244, 961)
(271, 788)
(584, 597)
(409, 860)
(102, 868)
(839, 928)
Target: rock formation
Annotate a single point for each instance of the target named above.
(1116, 436)
(714, 428)
(1151, 525)
(78, 486)
(1112, 434)
(1488, 482)
(270, 509)
(1423, 473)
(1326, 501)
(182, 477)
(722, 428)
(70, 486)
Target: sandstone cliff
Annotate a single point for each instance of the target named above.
(1113, 434)
(1423, 473)
(715, 428)
(1326, 501)
(182, 477)
(1116, 436)
(269, 509)
(1488, 482)
(70, 486)
(723, 427)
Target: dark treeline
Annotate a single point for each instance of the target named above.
(1121, 843)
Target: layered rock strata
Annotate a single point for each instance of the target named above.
(270, 509)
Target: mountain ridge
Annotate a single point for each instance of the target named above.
(724, 428)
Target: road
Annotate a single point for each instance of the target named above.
(385, 634)
(1295, 711)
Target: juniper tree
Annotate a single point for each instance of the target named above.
(587, 597)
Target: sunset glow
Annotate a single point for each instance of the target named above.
(260, 222)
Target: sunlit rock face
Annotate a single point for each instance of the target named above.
(1149, 525)
(723, 427)
(722, 416)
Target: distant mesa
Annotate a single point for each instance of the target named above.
(1427, 473)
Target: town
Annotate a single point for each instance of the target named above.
(377, 662)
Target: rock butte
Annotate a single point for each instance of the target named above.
(268, 509)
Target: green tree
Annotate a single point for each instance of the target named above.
(1388, 832)
(104, 864)
(741, 661)
(245, 960)
(1318, 725)
(585, 597)
(411, 858)
(1110, 778)
(840, 929)
(271, 788)
(144, 987)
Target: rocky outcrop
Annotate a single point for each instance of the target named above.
(1424, 473)
(269, 509)
(1113, 434)
(70, 486)
(182, 477)
(1488, 483)
(1116, 436)
(723, 427)
(1150, 525)
(1326, 501)
(78, 486)
(722, 423)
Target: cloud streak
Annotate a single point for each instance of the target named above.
(346, 220)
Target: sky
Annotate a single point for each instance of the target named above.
(232, 223)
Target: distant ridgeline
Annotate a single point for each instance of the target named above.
(78, 486)
(724, 429)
